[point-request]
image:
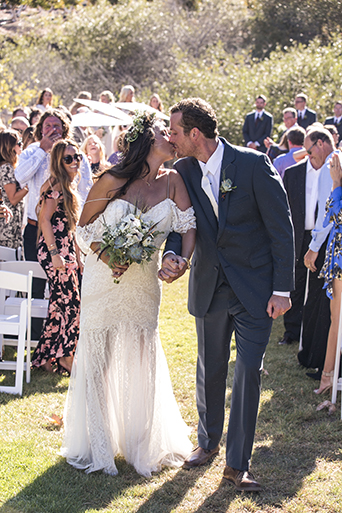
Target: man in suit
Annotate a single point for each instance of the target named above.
(241, 275)
(305, 116)
(336, 119)
(258, 126)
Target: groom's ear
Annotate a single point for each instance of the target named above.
(194, 133)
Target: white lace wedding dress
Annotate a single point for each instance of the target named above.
(120, 399)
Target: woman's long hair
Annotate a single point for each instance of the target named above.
(133, 163)
(8, 140)
(60, 175)
(103, 162)
(41, 94)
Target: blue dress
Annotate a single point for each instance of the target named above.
(332, 267)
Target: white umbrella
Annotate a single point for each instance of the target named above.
(106, 108)
(95, 119)
(141, 107)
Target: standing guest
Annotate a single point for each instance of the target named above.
(20, 124)
(85, 95)
(95, 152)
(35, 116)
(290, 121)
(258, 126)
(240, 279)
(12, 194)
(58, 212)
(106, 133)
(295, 138)
(336, 119)
(319, 145)
(156, 102)
(28, 137)
(23, 112)
(45, 98)
(33, 171)
(332, 271)
(127, 94)
(306, 117)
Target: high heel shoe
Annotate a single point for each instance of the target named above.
(325, 388)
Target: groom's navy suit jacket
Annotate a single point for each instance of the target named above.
(252, 242)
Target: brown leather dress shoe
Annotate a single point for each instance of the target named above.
(199, 457)
(242, 480)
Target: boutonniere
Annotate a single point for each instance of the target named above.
(305, 116)
(261, 118)
(226, 186)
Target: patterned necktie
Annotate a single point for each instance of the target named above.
(208, 190)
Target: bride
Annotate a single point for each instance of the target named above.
(120, 399)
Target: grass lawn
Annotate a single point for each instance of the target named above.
(297, 453)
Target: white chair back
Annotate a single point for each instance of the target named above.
(39, 307)
(16, 325)
(7, 254)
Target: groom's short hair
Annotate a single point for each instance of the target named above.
(197, 113)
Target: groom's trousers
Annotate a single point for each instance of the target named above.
(214, 332)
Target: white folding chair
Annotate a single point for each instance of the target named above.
(337, 381)
(39, 307)
(16, 325)
(7, 254)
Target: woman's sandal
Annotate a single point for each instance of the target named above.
(325, 388)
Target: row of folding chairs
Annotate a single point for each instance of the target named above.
(17, 307)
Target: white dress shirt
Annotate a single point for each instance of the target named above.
(311, 195)
(213, 168)
(33, 170)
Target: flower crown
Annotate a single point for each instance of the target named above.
(138, 126)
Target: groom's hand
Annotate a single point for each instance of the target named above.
(173, 267)
(278, 305)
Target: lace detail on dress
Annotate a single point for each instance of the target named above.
(87, 234)
(120, 399)
(183, 221)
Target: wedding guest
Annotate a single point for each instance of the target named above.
(295, 138)
(58, 212)
(95, 152)
(306, 116)
(332, 270)
(45, 99)
(290, 121)
(20, 111)
(28, 137)
(127, 94)
(156, 102)
(106, 133)
(35, 116)
(258, 125)
(33, 171)
(336, 120)
(12, 193)
(86, 95)
(19, 124)
(120, 399)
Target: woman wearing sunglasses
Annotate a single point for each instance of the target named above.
(10, 191)
(58, 213)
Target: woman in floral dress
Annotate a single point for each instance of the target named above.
(57, 254)
(12, 194)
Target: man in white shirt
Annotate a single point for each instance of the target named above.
(33, 170)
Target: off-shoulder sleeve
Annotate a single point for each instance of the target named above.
(333, 208)
(183, 221)
(89, 233)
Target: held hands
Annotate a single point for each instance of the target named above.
(278, 305)
(173, 267)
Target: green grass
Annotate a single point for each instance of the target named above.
(297, 453)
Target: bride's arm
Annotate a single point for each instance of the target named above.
(182, 200)
(99, 195)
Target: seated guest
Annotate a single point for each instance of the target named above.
(295, 138)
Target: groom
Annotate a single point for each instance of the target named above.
(241, 276)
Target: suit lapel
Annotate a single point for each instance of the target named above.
(228, 171)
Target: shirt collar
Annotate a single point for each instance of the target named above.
(213, 164)
(259, 113)
(302, 112)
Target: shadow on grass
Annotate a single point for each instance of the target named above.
(63, 489)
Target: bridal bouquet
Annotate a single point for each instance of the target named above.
(129, 241)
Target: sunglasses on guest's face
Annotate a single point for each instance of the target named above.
(68, 159)
(309, 150)
(20, 143)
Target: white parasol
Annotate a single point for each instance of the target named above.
(106, 108)
(95, 119)
(141, 107)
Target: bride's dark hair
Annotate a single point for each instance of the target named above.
(136, 146)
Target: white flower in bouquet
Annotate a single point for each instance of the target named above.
(131, 241)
